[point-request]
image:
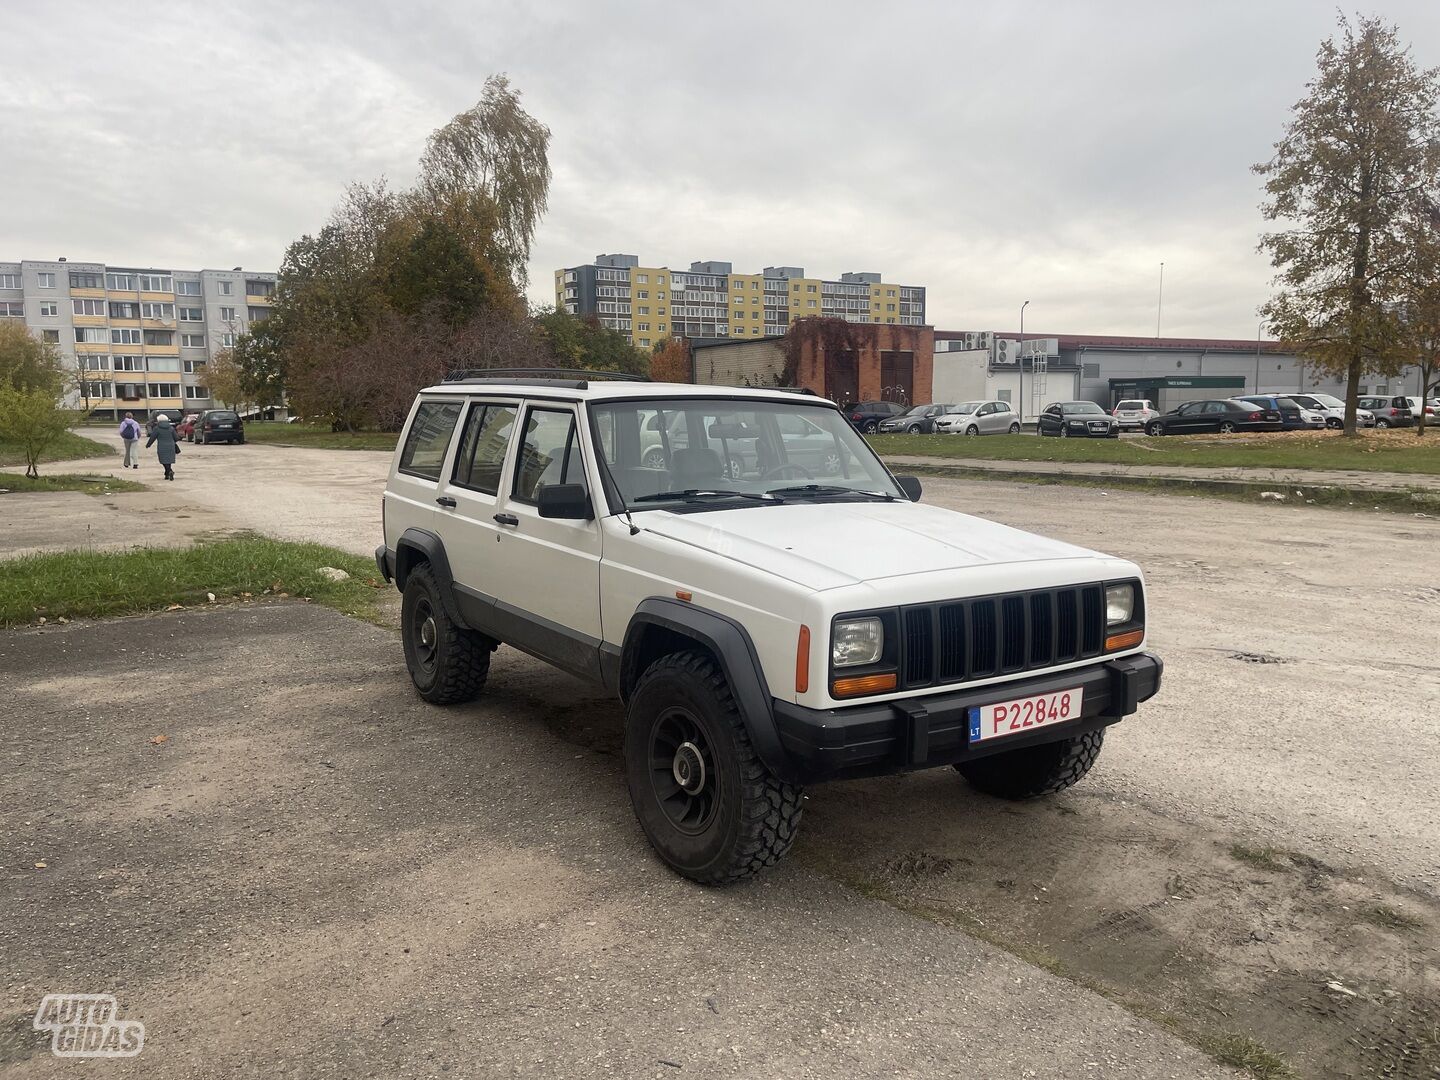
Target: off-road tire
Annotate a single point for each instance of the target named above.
(756, 814)
(461, 658)
(1031, 771)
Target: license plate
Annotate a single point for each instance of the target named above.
(1024, 714)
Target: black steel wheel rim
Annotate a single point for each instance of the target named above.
(683, 775)
(424, 633)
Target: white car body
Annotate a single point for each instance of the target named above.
(1327, 409)
(773, 607)
(773, 569)
(1133, 414)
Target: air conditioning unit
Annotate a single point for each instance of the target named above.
(1004, 353)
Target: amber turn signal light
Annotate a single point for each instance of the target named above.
(802, 661)
(1127, 640)
(862, 684)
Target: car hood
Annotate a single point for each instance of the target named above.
(829, 545)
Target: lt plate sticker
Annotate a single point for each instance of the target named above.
(1024, 714)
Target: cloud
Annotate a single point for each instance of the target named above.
(1055, 152)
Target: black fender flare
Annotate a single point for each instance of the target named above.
(417, 545)
(732, 647)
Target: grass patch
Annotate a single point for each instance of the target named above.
(1261, 858)
(318, 437)
(1397, 450)
(16, 483)
(1387, 918)
(87, 584)
(1343, 498)
(69, 447)
(1243, 1052)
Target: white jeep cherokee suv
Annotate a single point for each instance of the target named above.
(771, 612)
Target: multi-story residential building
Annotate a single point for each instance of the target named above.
(651, 303)
(143, 336)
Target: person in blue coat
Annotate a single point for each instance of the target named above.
(167, 446)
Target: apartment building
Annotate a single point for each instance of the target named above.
(142, 336)
(709, 300)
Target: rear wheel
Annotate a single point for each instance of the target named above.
(448, 663)
(1032, 771)
(1382, 423)
(1227, 427)
(708, 805)
(869, 427)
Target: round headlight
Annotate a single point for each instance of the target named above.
(856, 642)
(1119, 604)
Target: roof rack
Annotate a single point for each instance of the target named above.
(570, 378)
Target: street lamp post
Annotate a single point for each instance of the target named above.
(1021, 358)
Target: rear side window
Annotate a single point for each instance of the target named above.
(481, 457)
(429, 436)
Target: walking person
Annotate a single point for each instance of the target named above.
(162, 437)
(130, 435)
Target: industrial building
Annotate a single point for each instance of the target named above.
(709, 300)
(143, 336)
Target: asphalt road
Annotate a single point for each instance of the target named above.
(315, 874)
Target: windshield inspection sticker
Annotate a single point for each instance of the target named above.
(85, 1026)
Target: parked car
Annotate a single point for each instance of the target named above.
(1334, 410)
(1293, 415)
(980, 418)
(219, 425)
(1390, 411)
(1134, 413)
(1417, 405)
(1224, 416)
(760, 634)
(186, 428)
(867, 415)
(1083, 419)
(918, 421)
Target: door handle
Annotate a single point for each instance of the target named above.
(507, 519)
(447, 501)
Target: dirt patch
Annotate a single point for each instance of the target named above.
(1269, 959)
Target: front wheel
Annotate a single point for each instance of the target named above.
(707, 803)
(1154, 429)
(1064, 432)
(1334, 423)
(972, 430)
(448, 663)
(1032, 771)
(913, 429)
(1014, 429)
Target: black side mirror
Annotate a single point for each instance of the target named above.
(568, 501)
(910, 485)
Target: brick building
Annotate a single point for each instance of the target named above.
(884, 362)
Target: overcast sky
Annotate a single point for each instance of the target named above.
(1055, 152)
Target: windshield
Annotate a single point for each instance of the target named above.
(1329, 402)
(658, 451)
(964, 408)
(1131, 405)
(1078, 408)
(918, 410)
(1305, 401)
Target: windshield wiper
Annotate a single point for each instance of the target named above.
(699, 493)
(830, 489)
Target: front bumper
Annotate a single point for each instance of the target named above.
(924, 732)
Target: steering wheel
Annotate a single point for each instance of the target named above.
(780, 470)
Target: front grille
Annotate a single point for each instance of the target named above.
(958, 641)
